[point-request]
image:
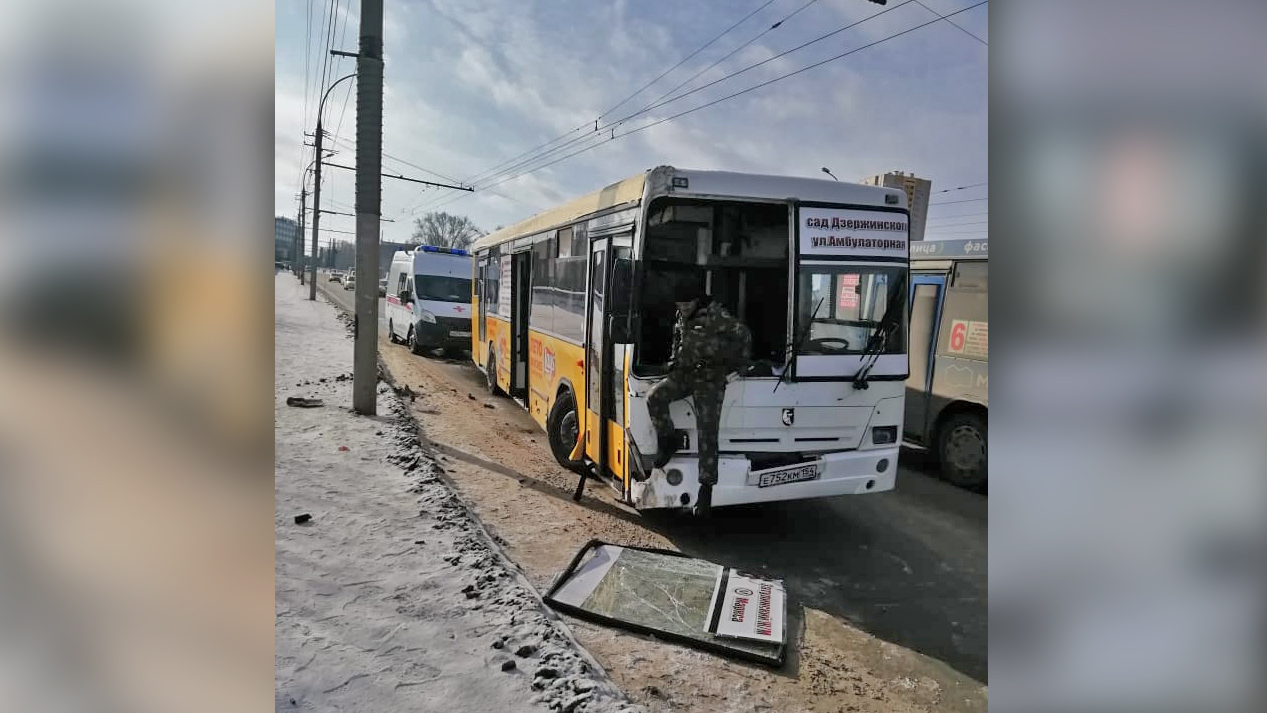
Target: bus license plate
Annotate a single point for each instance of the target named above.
(456, 333)
(795, 474)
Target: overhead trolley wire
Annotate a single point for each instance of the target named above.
(657, 104)
(768, 82)
(586, 125)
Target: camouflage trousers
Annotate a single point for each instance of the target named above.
(708, 391)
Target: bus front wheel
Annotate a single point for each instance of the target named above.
(490, 373)
(962, 449)
(562, 428)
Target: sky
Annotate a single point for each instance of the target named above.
(469, 86)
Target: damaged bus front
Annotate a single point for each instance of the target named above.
(818, 271)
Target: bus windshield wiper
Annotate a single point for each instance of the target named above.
(879, 336)
(796, 345)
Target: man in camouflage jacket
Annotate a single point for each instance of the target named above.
(708, 344)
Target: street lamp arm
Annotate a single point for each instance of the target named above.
(322, 105)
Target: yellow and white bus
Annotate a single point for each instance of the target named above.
(573, 312)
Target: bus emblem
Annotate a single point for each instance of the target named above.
(789, 416)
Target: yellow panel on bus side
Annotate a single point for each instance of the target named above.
(498, 335)
(475, 330)
(551, 362)
(591, 435)
(616, 449)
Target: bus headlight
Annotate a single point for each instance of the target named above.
(883, 435)
(426, 316)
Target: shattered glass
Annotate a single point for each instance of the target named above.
(665, 593)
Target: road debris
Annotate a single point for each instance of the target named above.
(304, 402)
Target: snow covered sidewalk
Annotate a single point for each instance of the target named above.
(391, 597)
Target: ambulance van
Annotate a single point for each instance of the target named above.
(429, 299)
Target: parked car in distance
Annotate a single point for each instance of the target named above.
(349, 283)
(382, 287)
(336, 277)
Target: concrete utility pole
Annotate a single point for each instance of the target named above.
(297, 265)
(316, 213)
(316, 191)
(369, 186)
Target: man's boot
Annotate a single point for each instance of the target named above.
(666, 447)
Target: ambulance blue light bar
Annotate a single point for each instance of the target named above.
(435, 249)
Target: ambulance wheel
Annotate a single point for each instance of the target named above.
(562, 426)
(490, 373)
(414, 346)
(391, 333)
(961, 448)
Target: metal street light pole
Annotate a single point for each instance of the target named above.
(316, 191)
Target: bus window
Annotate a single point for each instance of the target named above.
(660, 281)
(972, 275)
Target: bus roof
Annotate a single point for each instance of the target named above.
(950, 250)
(626, 191)
(687, 183)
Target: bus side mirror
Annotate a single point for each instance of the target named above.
(405, 297)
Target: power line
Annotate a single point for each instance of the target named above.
(956, 225)
(969, 231)
(961, 29)
(349, 145)
(756, 86)
(684, 60)
(725, 98)
(483, 174)
(966, 200)
(348, 93)
(960, 188)
(656, 105)
(956, 217)
(690, 79)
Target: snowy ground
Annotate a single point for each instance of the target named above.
(392, 597)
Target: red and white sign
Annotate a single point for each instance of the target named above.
(750, 608)
(847, 290)
(969, 338)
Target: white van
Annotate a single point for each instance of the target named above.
(429, 298)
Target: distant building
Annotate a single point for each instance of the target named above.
(284, 232)
(917, 190)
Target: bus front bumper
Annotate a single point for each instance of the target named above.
(843, 473)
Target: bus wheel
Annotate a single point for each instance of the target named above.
(412, 340)
(961, 446)
(490, 373)
(562, 427)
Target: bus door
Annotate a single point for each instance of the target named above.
(927, 294)
(521, 291)
(481, 276)
(604, 366)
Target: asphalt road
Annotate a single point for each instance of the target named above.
(908, 566)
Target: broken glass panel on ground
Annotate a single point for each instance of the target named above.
(677, 598)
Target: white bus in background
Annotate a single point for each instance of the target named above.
(574, 316)
(429, 299)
